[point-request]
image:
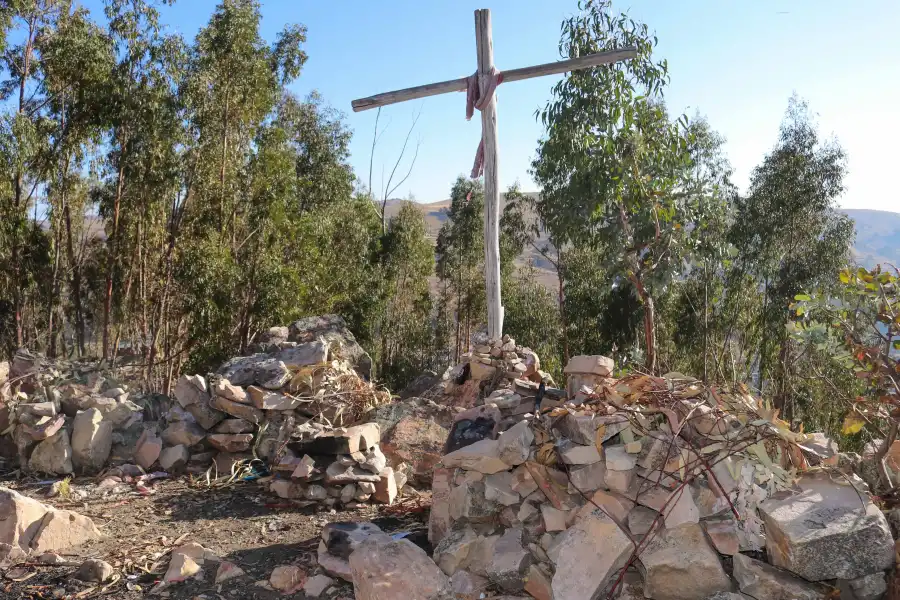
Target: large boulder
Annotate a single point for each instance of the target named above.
(827, 531)
(589, 555)
(332, 329)
(35, 527)
(417, 442)
(679, 564)
(91, 440)
(388, 569)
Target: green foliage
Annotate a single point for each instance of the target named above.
(855, 323)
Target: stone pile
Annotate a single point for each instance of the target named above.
(290, 405)
(58, 422)
(648, 487)
(492, 364)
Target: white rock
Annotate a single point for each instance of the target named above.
(482, 456)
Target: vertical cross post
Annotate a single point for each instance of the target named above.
(485, 47)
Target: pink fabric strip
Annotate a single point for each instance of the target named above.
(478, 98)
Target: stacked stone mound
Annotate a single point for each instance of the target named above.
(291, 405)
(642, 488)
(58, 423)
(285, 405)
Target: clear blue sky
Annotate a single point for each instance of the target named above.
(737, 62)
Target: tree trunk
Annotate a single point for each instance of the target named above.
(111, 256)
(76, 282)
(560, 275)
(18, 284)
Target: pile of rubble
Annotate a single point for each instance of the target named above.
(648, 487)
(284, 409)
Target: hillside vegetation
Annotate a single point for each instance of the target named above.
(165, 200)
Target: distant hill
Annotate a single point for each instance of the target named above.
(877, 236)
(877, 233)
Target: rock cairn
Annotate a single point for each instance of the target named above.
(645, 487)
(290, 405)
(60, 419)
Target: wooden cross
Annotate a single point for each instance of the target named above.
(485, 49)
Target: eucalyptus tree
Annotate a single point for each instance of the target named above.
(77, 63)
(790, 236)
(23, 136)
(616, 171)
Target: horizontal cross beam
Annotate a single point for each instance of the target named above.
(459, 85)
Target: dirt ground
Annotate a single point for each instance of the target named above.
(241, 523)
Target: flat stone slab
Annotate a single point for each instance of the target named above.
(827, 531)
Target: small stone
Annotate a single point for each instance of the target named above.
(466, 585)
(338, 474)
(515, 444)
(681, 509)
(316, 585)
(680, 565)
(523, 482)
(482, 456)
(287, 579)
(594, 365)
(509, 562)
(174, 458)
(205, 415)
(91, 440)
(234, 426)
(526, 512)
(53, 456)
(588, 555)
(468, 501)
(94, 571)
(238, 410)
(723, 535)
(576, 454)
(147, 450)
(869, 587)
(641, 519)
(230, 442)
(228, 570)
(452, 554)
(618, 458)
(761, 580)
(620, 481)
(272, 374)
(231, 392)
(588, 478)
(181, 566)
(582, 429)
(386, 487)
(633, 447)
(264, 399)
(305, 469)
(348, 492)
(183, 433)
(372, 460)
(537, 583)
(498, 488)
(190, 389)
(610, 503)
(554, 520)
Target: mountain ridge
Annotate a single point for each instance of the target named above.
(877, 231)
